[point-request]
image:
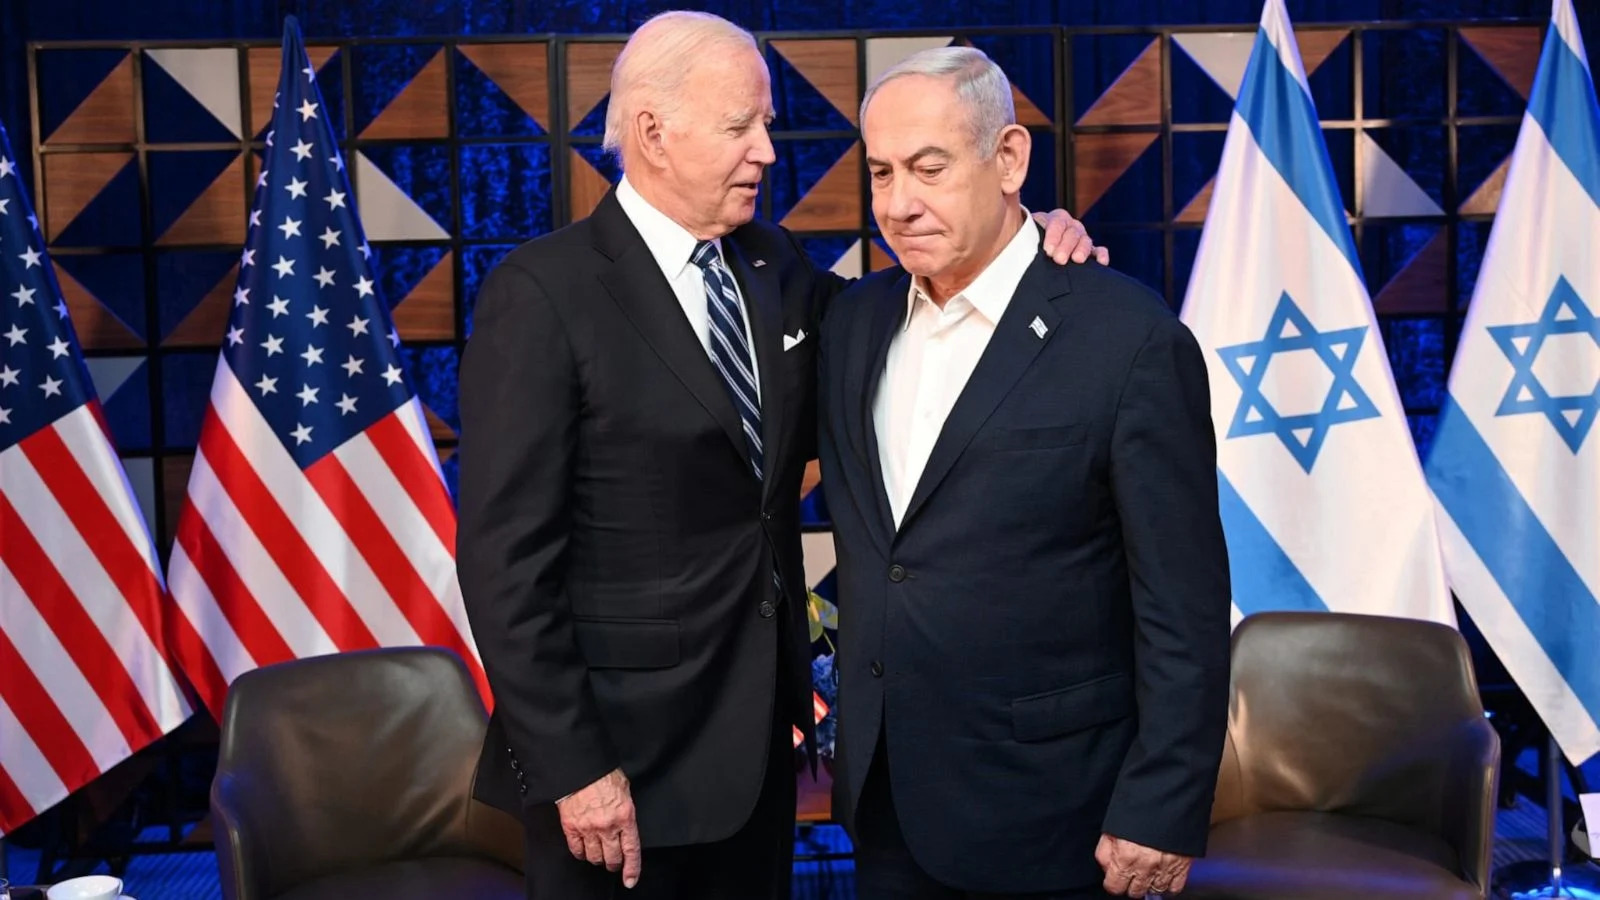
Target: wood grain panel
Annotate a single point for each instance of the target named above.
(521, 70)
(419, 110)
(830, 67)
(428, 313)
(588, 77)
(106, 115)
(217, 216)
(834, 202)
(207, 324)
(1100, 159)
(72, 181)
(1135, 97)
(98, 328)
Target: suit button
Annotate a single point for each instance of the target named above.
(766, 517)
(897, 573)
(767, 609)
(877, 669)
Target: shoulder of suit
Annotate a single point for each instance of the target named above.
(558, 248)
(760, 239)
(1117, 293)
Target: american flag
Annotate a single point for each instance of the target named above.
(819, 711)
(85, 679)
(317, 520)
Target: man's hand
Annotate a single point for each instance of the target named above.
(1134, 870)
(1065, 238)
(600, 826)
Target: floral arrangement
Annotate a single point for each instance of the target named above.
(824, 617)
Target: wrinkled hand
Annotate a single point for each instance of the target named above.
(600, 826)
(1135, 870)
(1065, 239)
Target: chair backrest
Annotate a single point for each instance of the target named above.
(339, 761)
(1361, 715)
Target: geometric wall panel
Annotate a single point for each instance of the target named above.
(420, 109)
(263, 64)
(520, 70)
(588, 76)
(1135, 97)
(209, 77)
(103, 112)
(829, 66)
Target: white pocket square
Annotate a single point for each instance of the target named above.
(790, 341)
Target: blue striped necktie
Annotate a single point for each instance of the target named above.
(730, 346)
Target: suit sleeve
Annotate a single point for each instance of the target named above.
(1163, 473)
(520, 403)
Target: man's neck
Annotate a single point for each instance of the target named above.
(941, 288)
(664, 202)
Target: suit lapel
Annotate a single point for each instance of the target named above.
(764, 300)
(1012, 349)
(635, 282)
(887, 317)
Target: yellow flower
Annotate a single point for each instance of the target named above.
(821, 613)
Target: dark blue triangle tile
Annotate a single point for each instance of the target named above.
(183, 279)
(401, 268)
(797, 105)
(801, 164)
(116, 280)
(483, 109)
(128, 412)
(178, 178)
(172, 114)
(112, 218)
(380, 72)
(66, 79)
(593, 124)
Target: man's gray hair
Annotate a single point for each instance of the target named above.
(982, 88)
(650, 70)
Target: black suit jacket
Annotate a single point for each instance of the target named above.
(1044, 640)
(615, 551)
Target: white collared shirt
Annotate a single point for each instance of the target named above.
(930, 359)
(672, 246)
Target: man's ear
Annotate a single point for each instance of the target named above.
(1012, 155)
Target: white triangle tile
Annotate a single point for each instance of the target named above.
(849, 265)
(387, 213)
(817, 549)
(111, 372)
(211, 76)
(883, 53)
(142, 478)
(1386, 190)
(1223, 55)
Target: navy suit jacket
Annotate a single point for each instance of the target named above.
(1043, 642)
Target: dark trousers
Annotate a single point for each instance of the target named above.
(885, 868)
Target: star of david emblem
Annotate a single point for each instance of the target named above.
(1302, 434)
(1572, 416)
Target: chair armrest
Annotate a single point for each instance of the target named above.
(241, 855)
(495, 834)
(1470, 787)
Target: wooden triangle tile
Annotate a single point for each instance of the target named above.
(1317, 44)
(521, 70)
(98, 328)
(830, 67)
(587, 185)
(437, 426)
(1100, 159)
(72, 181)
(878, 257)
(106, 115)
(419, 110)
(207, 324)
(217, 216)
(1135, 97)
(1486, 199)
(263, 63)
(1419, 287)
(445, 453)
(834, 202)
(588, 77)
(1027, 112)
(428, 312)
(1195, 212)
(1512, 51)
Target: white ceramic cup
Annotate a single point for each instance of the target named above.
(89, 887)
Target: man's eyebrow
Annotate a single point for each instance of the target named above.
(916, 157)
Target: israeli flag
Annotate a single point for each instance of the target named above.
(1515, 465)
(1323, 498)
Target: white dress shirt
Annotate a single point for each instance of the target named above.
(930, 359)
(672, 246)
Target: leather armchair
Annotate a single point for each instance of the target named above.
(351, 776)
(1358, 763)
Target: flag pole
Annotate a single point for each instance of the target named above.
(1549, 877)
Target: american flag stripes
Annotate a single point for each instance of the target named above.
(317, 520)
(85, 660)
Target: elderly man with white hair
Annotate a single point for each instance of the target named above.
(1033, 586)
(638, 406)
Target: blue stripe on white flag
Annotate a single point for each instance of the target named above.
(1561, 89)
(1264, 577)
(1280, 115)
(1546, 591)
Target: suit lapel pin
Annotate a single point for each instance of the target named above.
(1038, 327)
(758, 263)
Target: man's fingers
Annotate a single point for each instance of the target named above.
(1102, 256)
(632, 855)
(1179, 880)
(574, 843)
(1116, 883)
(611, 847)
(1139, 884)
(593, 851)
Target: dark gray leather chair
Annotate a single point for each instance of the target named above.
(1358, 763)
(351, 776)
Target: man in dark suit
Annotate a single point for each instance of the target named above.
(1020, 466)
(638, 404)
